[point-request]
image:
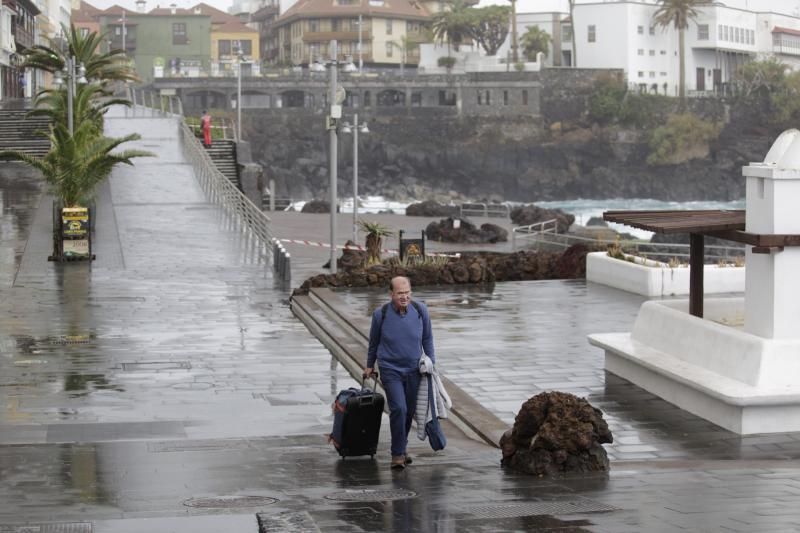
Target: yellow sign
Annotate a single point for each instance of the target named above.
(74, 222)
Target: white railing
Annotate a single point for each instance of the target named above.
(484, 210)
(151, 103)
(241, 212)
(533, 231)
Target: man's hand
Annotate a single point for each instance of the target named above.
(367, 372)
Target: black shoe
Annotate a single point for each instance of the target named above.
(398, 462)
(409, 460)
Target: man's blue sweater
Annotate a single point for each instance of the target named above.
(398, 343)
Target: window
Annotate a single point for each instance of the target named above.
(719, 32)
(725, 33)
(566, 32)
(389, 49)
(246, 47)
(524, 96)
(447, 98)
(224, 48)
(179, 33)
(663, 52)
(702, 32)
(652, 30)
(640, 51)
(366, 99)
(641, 74)
(488, 97)
(652, 74)
(85, 32)
(335, 23)
(388, 26)
(640, 30)
(480, 98)
(313, 25)
(591, 33)
(413, 27)
(662, 74)
(652, 52)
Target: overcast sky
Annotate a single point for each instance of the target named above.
(779, 6)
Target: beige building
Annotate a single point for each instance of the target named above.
(228, 37)
(389, 31)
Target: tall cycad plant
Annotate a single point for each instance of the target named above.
(678, 13)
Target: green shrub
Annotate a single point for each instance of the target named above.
(684, 137)
(644, 110)
(446, 61)
(606, 100)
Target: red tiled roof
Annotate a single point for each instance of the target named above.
(217, 16)
(87, 8)
(787, 31)
(168, 11)
(327, 8)
(116, 9)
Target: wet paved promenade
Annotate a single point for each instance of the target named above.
(151, 389)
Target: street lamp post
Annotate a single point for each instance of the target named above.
(335, 114)
(239, 99)
(356, 130)
(73, 72)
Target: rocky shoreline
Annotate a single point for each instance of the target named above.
(468, 268)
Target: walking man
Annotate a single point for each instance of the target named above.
(205, 124)
(400, 333)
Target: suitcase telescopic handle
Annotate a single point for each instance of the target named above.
(374, 375)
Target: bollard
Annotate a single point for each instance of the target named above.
(287, 275)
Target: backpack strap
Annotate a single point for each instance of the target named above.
(385, 308)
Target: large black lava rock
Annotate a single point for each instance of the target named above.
(555, 433)
(445, 231)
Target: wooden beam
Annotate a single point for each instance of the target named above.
(696, 266)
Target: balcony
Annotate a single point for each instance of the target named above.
(327, 36)
(22, 37)
(130, 44)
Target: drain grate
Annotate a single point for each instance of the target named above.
(151, 366)
(64, 527)
(70, 339)
(300, 522)
(513, 510)
(197, 446)
(371, 495)
(230, 502)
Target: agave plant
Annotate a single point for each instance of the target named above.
(77, 163)
(100, 67)
(375, 233)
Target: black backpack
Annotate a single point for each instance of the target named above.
(385, 308)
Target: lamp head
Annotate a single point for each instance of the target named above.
(81, 73)
(58, 78)
(346, 128)
(364, 128)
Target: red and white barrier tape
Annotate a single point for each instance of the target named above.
(348, 246)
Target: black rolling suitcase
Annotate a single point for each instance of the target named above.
(357, 421)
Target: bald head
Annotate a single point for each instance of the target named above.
(400, 292)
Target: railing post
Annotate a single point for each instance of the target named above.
(271, 195)
(170, 106)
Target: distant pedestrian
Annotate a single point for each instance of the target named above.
(205, 125)
(400, 333)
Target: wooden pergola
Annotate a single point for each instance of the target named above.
(722, 224)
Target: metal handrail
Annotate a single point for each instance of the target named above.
(219, 189)
(714, 251)
(532, 230)
(485, 210)
(153, 103)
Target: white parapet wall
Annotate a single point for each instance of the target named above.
(659, 279)
(710, 366)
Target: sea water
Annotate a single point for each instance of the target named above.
(581, 209)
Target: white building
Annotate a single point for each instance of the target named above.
(621, 34)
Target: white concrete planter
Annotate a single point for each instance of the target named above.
(659, 279)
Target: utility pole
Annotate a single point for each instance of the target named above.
(124, 50)
(515, 56)
(360, 54)
(335, 114)
(355, 178)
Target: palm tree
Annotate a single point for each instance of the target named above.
(678, 13)
(375, 233)
(406, 46)
(89, 103)
(572, 30)
(77, 163)
(535, 40)
(453, 24)
(104, 68)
